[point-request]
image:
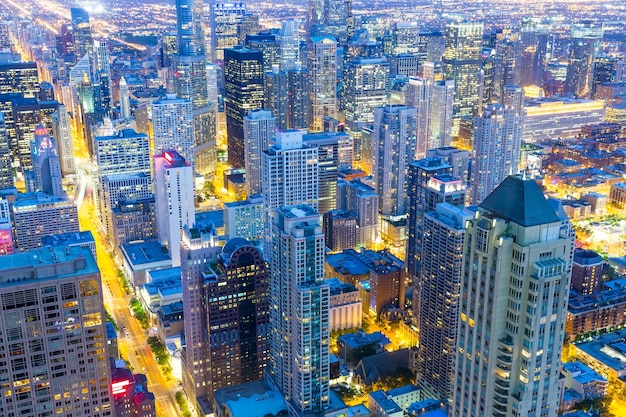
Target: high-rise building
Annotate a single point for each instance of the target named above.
(532, 48)
(512, 306)
(68, 360)
(172, 126)
(298, 98)
(267, 43)
(259, 130)
(37, 214)
(290, 177)
(174, 200)
(62, 132)
(225, 19)
(584, 48)
(394, 144)
(497, 141)
(299, 345)
(7, 245)
(6, 171)
(19, 78)
(441, 114)
(422, 198)
(238, 315)
(419, 94)
(81, 29)
(330, 18)
(334, 153)
(124, 99)
(366, 84)
(46, 176)
(462, 63)
(276, 95)
(199, 248)
(361, 200)
(190, 79)
(289, 45)
(124, 153)
(436, 297)
(587, 270)
(322, 70)
(102, 75)
(243, 71)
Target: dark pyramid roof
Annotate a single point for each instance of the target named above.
(520, 201)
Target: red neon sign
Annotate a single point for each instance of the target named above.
(119, 387)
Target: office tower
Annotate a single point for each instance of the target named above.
(419, 94)
(26, 117)
(46, 165)
(422, 198)
(174, 199)
(441, 114)
(340, 230)
(66, 360)
(101, 57)
(225, 18)
(191, 84)
(289, 42)
(587, 270)
(46, 91)
(436, 296)
(7, 246)
(243, 71)
(330, 18)
(361, 200)
(198, 249)
(604, 71)
(462, 63)
(290, 177)
(102, 74)
(124, 153)
(322, 69)
(133, 220)
(237, 334)
(124, 99)
(248, 26)
(267, 43)
(212, 74)
(276, 95)
(366, 83)
(172, 126)
(459, 159)
(19, 78)
(334, 153)
(532, 48)
(244, 218)
(513, 305)
(405, 37)
(62, 132)
(403, 64)
(6, 171)
(584, 48)
(299, 346)
(36, 215)
(298, 98)
(81, 29)
(393, 149)
(259, 130)
(497, 141)
(65, 41)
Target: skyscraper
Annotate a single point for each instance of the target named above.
(497, 141)
(584, 49)
(298, 98)
(290, 177)
(62, 132)
(190, 79)
(46, 165)
(225, 19)
(330, 18)
(19, 78)
(394, 142)
(322, 68)
(516, 271)
(174, 200)
(289, 45)
(124, 99)
(238, 315)
(420, 200)
(81, 29)
(442, 112)
(276, 95)
(172, 126)
(299, 310)
(436, 296)
(531, 52)
(462, 63)
(419, 94)
(6, 172)
(243, 71)
(49, 358)
(259, 129)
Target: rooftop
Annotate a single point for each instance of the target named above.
(145, 252)
(520, 201)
